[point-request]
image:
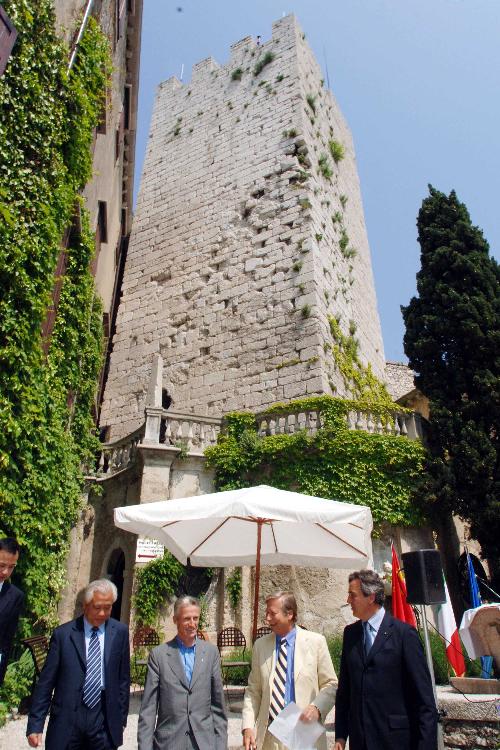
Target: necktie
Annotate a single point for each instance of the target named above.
(368, 637)
(278, 693)
(92, 684)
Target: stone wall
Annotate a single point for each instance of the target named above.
(238, 252)
(470, 721)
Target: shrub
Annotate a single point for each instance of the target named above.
(17, 684)
(337, 151)
(238, 675)
(324, 167)
(311, 100)
(261, 64)
(237, 74)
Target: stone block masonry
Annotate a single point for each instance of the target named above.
(247, 236)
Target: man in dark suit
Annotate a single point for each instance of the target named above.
(11, 600)
(85, 680)
(385, 699)
(183, 702)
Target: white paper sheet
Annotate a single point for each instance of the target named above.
(293, 733)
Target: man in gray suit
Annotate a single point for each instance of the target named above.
(183, 703)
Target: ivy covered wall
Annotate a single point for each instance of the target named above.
(47, 433)
(357, 467)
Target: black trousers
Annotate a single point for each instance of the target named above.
(90, 729)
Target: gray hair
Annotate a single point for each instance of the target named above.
(370, 583)
(103, 586)
(185, 601)
(287, 601)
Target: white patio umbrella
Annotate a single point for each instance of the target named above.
(256, 526)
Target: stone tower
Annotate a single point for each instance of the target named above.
(248, 235)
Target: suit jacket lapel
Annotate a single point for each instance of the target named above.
(5, 595)
(109, 635)
(175, 662)
(269, 657)
(78, 638)
(360, 643)
(300, 650)
(199, 659)
(383, 635)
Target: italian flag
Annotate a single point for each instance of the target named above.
(448, 631)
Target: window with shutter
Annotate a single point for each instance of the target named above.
(119, 134)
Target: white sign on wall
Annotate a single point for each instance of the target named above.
(148, 549)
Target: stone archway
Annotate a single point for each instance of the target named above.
(115, 572)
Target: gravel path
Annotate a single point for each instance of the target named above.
(13, 734)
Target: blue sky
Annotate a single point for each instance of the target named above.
(417, 80)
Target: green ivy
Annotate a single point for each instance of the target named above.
(156, 582)
(358, 378)
(353, 466)
(47, 123)
(233, 587)
(17, 685)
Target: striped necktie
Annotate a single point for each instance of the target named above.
(92, 684)
(278, 693)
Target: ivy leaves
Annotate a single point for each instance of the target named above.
(357, 467)
(46, 129)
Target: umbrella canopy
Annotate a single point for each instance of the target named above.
(256, 526)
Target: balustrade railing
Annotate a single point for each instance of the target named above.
(194, 433)
(119, 455)
(187, 431)
(408, 424)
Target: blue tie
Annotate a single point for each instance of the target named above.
(368, 637)
(92, 684)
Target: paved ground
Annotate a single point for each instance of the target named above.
(13, 734)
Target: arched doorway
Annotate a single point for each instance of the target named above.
(115, 570)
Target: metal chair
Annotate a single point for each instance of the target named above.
(264, 630)
(38, 646)
(232, 638)
(201, 635)
(145, 638)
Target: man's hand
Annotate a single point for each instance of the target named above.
(311, 713)
(249, 742)
(339, 744)
(35, 740)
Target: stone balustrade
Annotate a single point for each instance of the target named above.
(118, 456)
(408, 424)
(187, 431)
(194, 433)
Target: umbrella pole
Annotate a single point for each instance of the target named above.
(257, 581)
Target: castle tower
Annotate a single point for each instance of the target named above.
(248, 235)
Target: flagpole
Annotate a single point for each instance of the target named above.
(428, 654)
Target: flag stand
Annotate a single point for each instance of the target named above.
(428, 654)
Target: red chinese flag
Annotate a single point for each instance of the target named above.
(400, 607)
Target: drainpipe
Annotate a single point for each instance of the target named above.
(74, 49)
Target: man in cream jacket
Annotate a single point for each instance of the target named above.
(289, 664)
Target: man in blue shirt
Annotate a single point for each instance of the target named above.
(290, 664)
(183, 703)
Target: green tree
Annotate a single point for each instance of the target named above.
(452, 341)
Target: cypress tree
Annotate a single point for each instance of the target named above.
(452, 342)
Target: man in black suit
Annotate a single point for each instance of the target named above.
(85, 680)
(385, 699)
(11, 600)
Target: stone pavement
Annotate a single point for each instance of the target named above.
(13, 734)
